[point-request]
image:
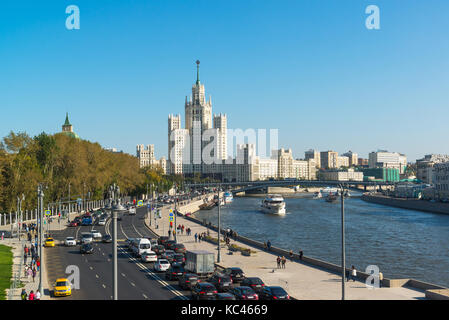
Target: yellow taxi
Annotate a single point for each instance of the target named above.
(62, 288)
(49, 242)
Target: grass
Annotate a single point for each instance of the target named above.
(5, 270)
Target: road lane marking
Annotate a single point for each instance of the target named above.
(144, 296)
(123, 275)
(91, 268)
(97, 276)
(132, 283)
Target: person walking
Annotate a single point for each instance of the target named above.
(278, 262)
(265, 246)
(34, 273)
(291, 255)
(31, 296)
(38, 263)
(283, 262)
(23, 294)
(30, 272)
(300, 255)
(196, 237)
(37, 296)
(269, 245)
(199, 237)
(381, 277)
(25, 256)
(353, 273)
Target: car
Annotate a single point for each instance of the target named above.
(49, 242)
(169, 244)
(187, 281)
(244, 293)
(153, 242)
(235, 273)
(149, 257)
(204, 291)
(158, 249)
(62, 288)
(168, 255)
(86, 248)
(101, 222)
(162, 240)
(132, 211)
(179, 248)
(96, 234)
(106, 238)
(221, 281)
(87, 221)
(70, 242)
(224, 296)
(86, 237)
(161, 265)
(175, 271)
(73, 223)
(179, 258)
(273, 293)
(253, 282)
(129, 243)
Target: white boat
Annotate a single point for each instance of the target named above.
(317, 195)
(274, 204)
(328, 190)
(228, 197)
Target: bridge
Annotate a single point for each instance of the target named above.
(255, 185)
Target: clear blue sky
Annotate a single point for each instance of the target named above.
(309, 68)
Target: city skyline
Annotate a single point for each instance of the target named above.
(309, 85)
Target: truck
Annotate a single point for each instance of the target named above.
(201, 262)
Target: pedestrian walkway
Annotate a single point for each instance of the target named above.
(301, 281)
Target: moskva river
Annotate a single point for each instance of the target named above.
(402, 243)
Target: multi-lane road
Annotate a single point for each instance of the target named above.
(136, 280)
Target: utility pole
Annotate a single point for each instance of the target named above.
(41, 229)
(218, 255)
(343, 259)
(176, 213)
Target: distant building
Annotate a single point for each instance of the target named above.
(362, 162)
(145, 155)
(426, 164)
(313, 155)
(385, 159)
(353, 158)
(67, 128)
(381, 174)
(342, 161)
(441, 179)
(329, 159)
(341, 175)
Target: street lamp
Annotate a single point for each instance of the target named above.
(343, 258)
(19, 213)
(219, 205)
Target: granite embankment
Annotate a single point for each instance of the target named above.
(412, 204)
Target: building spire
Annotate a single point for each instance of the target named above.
(197, 71)
(67, 123)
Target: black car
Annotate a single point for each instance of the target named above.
(169, 244)
(224, 296)
(162, 240)
(86, 248)
(244, 293)
(174, 272)
(179, 258)
(235, 273)
(203, 291)
(222, 282)
(169, 255)
(178, 248)
(106, 238)
(253, 282)
(188, 280)
(274, 293)
(159, 249)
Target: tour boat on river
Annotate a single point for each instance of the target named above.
(274, 204)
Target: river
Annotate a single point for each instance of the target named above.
(402, 243)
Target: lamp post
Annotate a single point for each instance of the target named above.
(219, 205)
(19, 213)
(343, 258)
(40, 194)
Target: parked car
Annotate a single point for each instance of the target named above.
(174, 272)
(161, 265)
(222, 282)
(106, 238)
(274, 293)
(224, 296)
(178, 248)
(244, 293)
(253, 282)
(148, 257)
(187, 281)
(158, 249)
(204, 291)
(86, 248)
(70, 242)
(235, 273)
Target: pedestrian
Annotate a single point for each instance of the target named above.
(196, 237)
(25, 250)
(169, 233)
(283, 260)
(208, 233)
(25, 256)
(381, 277)
(23, 294)
(31, 296)
(174, 233)
(38, 263)
(269, 245)
(37, 296)
(29, 237)
(30, 272)
(199, 237)
(300, 255)
(34, 273)
(353, 273)
(278, 262)
(291, 255)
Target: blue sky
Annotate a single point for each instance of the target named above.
(309, 68)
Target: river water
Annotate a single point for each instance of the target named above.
(402, 243)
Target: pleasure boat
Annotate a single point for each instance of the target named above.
(274, 204)
(228, 197)
(328, 190)
(317, 195)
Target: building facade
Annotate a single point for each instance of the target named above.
(329, 159)
(385, 159)
(441, 179)
(425, 166)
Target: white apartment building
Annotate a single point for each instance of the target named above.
(176, 144)
(426, 164)
(145, 155)
(441, 179)
(339, 175)
(268, 168)
(220, 123)
(342, 161)
(329, 159)
(385, 159)
(353, 158)
(313, 155)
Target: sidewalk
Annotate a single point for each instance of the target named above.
(301, 281)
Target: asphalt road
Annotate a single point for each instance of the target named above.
(136, 280)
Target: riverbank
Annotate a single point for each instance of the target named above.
(410, 204)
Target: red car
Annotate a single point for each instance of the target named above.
(73, 224)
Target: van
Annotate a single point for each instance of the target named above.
(140, 246)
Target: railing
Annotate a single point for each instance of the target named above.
(15, 283)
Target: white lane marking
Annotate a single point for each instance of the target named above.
(91, 268)
(97, 276)
(121, 228)
(132, 223)
(144, 296)
(103, 253)
(132, 283)
(104, 287)
(123, 275)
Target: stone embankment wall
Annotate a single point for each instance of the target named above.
(412, 204)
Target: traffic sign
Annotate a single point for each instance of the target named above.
(139, 203)
(171, 219)
(48, 212)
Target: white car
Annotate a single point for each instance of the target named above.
(86, 237)
(70, 242)
(132, 210)
(161, 265)
(102, 222)
(149, 257)
(96, 234)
